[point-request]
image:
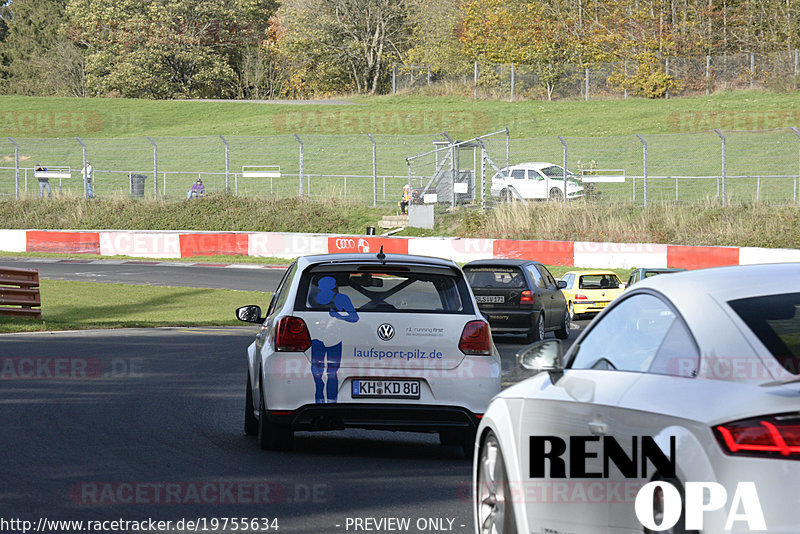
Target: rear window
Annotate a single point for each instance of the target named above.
(776, 322)
(598, 281)
(495, 277)
(392, 290)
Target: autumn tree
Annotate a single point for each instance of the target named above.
(174, 48)
(344, 45)
(37, 56)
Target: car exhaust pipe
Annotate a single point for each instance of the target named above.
(326, 422)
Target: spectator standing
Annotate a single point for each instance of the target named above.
(88, 178)
(405, 199)
(44, 181)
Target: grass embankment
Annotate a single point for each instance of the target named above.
(338, 155)
(83, 305)
(704, 223)
(395, 114)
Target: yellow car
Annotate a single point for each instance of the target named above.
(590, 291)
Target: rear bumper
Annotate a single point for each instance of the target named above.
(511, 322)
(408, 418)
(589, 307)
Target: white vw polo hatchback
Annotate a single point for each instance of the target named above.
(373, 341)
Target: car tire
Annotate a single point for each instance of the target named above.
(493, 499)
(536, 331)
(250, 419)
(571, 310)
(563, 330)
(680, 526)
(504, 195)
(556, 194)
(272, 437)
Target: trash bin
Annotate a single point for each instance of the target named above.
(137, 184)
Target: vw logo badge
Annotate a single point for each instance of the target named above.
(386, 331)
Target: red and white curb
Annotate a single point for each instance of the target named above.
(177, 244)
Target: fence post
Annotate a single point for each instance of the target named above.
(625, 67)
(453, 172)
(666, 71)
(512, 81)
(586, 76)
(394, 78)
(796, 66)
(374, 172)
(16, 166)
(483, 178)
(708, 75)
(797, 133)
(752, 69)
(475, 82)
(563, 170)
(644, 166)
(227, 166)
(85, 177)
(301, 162)
(724, 168)
(155, 165)
(508, 147)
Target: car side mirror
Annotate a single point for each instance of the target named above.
(562, 284)
(250, 314)
(546, 355)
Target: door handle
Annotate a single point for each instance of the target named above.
(597, 428)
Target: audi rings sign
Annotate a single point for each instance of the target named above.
(367, 244)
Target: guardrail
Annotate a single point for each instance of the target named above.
(20, 288)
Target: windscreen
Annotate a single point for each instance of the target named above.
(776, 321)
(390, 290)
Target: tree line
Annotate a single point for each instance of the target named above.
(301, 48)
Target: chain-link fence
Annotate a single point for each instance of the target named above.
(691, 76)
(729, 165)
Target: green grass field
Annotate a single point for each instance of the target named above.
(82, 305)
(337, 154)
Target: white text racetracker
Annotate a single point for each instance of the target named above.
(401, 524)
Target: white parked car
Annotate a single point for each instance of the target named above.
(707, 362)
(536, 180)
(374, 341)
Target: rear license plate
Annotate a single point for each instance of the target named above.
(385, 389)
(490, 299)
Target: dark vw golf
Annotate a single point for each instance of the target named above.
(519, 297)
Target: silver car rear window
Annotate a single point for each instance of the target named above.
(775, 319)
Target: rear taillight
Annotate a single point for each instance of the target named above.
(475, 338)
(292, 335)
(579, 296)
(773, 436)
(526, 297)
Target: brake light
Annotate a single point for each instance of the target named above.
(292, 335)
(773, 436)
(526, 297)
(475, 338)
(579, 296)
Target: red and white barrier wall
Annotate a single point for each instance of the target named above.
(176, 244)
